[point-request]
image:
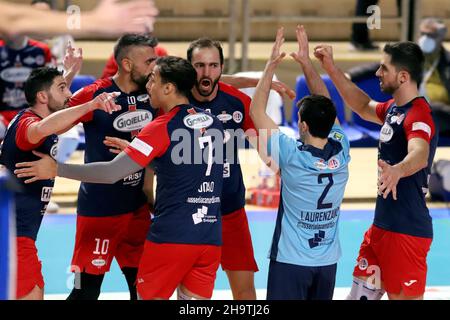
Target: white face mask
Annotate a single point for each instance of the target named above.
(427, 44)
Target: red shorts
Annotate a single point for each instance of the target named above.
(29, 272)
(401, 259)
(165, 266)
(99, 239)
(237, 248)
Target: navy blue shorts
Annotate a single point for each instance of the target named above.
(293, 282)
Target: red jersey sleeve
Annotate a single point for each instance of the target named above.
(82, 96)
(150, 143)
(382, 108)
(21, 134)
(419, 122)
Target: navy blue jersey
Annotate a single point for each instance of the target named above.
(409, 213)
(15, 67)
(231, 107)
(32, 202)
(126, 195)
(181, 147)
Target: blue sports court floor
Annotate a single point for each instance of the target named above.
(57, 234)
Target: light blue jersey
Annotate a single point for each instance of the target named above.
(313, 185)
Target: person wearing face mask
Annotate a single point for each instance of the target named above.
(436, 83)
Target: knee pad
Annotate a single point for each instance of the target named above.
(361, 290)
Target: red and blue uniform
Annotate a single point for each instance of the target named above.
(113, 217)
(32, 201)
(184, 241)
(402, 231)
(15, 67)
(232, 107)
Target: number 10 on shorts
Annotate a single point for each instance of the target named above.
(101, 247)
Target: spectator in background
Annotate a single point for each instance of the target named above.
(360, 39)
(436, 82)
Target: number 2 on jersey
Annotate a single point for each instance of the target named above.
(320, 178)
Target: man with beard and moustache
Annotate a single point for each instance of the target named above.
(34, 129)
(231, 107)
(398, 242)
(113, 220)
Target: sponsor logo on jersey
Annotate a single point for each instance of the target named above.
(363, 264)
(224, 117)
(142, 97)
(202, 216)
(40, 60)
(386, 133)
(237, 116)
(422, 126)
(29, 60)
(98, 262)
(15, 74)
(198, 121)
(206, 187)
(333, 163)
(321, 165)
(132, 120)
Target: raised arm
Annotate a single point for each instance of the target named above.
(63, 119)
(109, 18)
(96, 172)
(248, 82)
(263, 123)
(354, 97)
(72, 63)
(313, 79)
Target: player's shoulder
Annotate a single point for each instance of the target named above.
(233, 91)
(39, 44)
(420, 104)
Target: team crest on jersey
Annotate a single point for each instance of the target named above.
(333, 163)
(224, 117)
(15, 74)
(237, 116)
(198, 121)
(142, 97)
(321, 165)
(40, 60)
(386, 133)
(132, 120)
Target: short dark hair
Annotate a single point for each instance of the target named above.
(407, 56)
(40, 79)
(129, 40)
(319, 113)
(177, 71)
(204, 43)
